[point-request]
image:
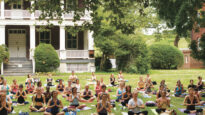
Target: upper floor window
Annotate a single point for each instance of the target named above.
(45, 37)
(17, 4)
(71, 4)
(71, 41)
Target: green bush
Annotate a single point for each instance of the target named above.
(132, 55)
(4, 54)
(46, 58)
(165, 57)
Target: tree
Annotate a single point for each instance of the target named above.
(198, 49)
(179, 14)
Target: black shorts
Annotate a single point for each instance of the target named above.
(38, 107)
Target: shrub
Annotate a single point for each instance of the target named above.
(4, 54)
(46, 58)
(132, 55)
(165, 57)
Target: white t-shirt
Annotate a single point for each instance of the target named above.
(132, 103)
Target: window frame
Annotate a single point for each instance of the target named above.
(12, 6)
(49, 37)
(77, 39)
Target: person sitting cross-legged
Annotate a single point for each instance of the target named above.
(21, 96)
(87, 94)
(126, 96)
(38, 101)
(5, 107)
(103, 106)
(135, 104)
(162, 103)
(54, 105)
(190, 102)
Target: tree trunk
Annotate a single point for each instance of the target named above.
(176, 41)
(102, 62)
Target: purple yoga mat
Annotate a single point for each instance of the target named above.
(182, 110)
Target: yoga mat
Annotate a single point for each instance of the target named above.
(154, 111)
(182, 110)
(86, 108)
(124, 113)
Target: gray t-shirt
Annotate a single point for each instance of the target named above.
(132, 103)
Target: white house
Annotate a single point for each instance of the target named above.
(19, 32)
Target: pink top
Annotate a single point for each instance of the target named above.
(97, 89)
(15, 88)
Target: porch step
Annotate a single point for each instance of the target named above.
(18, 67)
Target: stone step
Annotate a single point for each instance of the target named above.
(16, 74)
(26, 71)
(17, 66)
(19, 62)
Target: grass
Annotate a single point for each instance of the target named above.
(171, 76)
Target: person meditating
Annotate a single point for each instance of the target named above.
(135, 104)
(120, 76)
(103, 106)
(5, 88)
(103, 91)
(190, 102)
(141, 84)
(159, 93)
(49, 80)
(93, 78)
(14, 87)
(112, 80)
(120, 91)
(73, 77)
(200, 84)
(87, 94)
(21, 96)
(38, 101)
(60, 87)
(191, 85)
(5, 107)
(68, 90)
(148, 86)
(47, 94)
(126, 96)
(75, 99)
(97, 88)
(178, 90)
(54, 105)
(163, 103)
(30, 87)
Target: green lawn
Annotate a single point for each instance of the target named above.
(171, 76)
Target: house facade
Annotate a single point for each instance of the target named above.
(19, 31)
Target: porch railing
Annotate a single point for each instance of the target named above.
(20, 14)
(73, 54)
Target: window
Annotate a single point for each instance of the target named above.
(17, 4)
(186, 59)
(16, 31)
(45, 37)
(72, 41)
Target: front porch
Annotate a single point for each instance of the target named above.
(22, 40)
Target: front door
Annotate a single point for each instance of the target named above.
(17, 43)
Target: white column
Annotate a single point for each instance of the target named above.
(2, 41)
(90, 40)
(62, 43)
(2, 34)
(32, 45)
(2, 9)
(32, 14)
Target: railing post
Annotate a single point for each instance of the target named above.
(62, 43)
(2, 9)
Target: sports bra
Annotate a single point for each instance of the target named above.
(39, 99)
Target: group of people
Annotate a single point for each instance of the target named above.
(47, 101)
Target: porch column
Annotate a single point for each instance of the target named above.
(62, 43)
(90, 40)
(32, 45)
(2, 41)
(2, 9)
(32, 14)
